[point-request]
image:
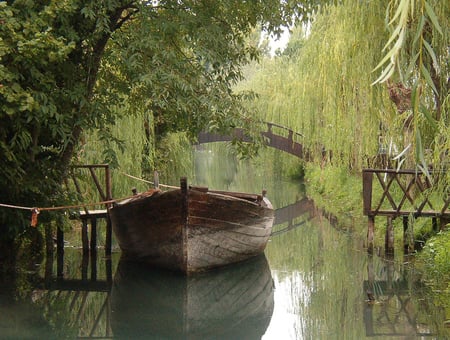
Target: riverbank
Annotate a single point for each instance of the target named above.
(340, 192)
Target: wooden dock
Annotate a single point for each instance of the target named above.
(91, 216)
(406, 194)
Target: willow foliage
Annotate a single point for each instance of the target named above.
(321, 88)
(416, 69)
(325, 84)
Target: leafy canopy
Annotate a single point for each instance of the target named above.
(66, 66)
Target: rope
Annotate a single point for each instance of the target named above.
(65, 207)
(149, 182)
(14, 206)
(84, 205)
(35, 210)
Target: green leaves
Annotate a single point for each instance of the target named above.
(398, 35)
(418, 54)
(72, 66)
(433, 17)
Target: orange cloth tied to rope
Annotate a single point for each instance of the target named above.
(34, 217)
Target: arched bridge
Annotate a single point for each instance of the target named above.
(276, 136)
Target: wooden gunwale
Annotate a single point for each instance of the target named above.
(242, 195)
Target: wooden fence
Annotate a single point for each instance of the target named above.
(403, 193)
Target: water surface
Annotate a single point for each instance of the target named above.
(315, 281)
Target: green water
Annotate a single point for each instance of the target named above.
(313, 283)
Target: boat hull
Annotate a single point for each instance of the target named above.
(191, 231)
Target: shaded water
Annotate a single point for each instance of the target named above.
(312, 283)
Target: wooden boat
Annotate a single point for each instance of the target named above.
(192, 229)
(235, 302)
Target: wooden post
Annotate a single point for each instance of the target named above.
(367, 191)
(93, 244)
(84, 236)
(405, 235)
(290, 136)
(48, 240)
(411, 236)
(108, 269)
(59, 253)
(84, 265)
(408, 236)
(370, 233)
(59, 239)
(184, 216)
(48, 269)
(435, 224)
(93, 265)
(108, 237)
(156, 179)
(389, 238)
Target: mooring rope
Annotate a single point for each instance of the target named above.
(37, 210)
(14, 206)
(84, 205)
(64, 207)
(149, 182)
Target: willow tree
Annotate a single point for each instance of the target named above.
(325, 83)
(178, 58)
(320, 85)
(416, 69)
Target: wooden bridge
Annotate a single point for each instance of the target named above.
(276, 136)
(406, 194)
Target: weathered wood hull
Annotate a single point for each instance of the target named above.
(191, 231)
(235, 302)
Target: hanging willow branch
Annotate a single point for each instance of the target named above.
(415, 34)
(398, 35)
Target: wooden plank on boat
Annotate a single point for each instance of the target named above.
(242, 195)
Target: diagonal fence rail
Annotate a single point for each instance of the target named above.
(404, 193)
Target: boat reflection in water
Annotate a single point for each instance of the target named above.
(234, 302)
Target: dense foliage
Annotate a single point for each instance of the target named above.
(325, 84)
(365, 78)
(71, 67)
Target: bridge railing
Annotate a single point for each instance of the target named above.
(284, 131)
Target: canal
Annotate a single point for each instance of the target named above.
(315, 281)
